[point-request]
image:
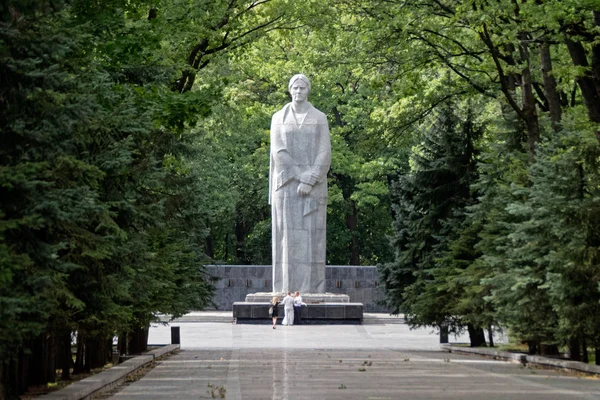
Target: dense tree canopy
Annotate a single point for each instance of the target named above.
(134, 149)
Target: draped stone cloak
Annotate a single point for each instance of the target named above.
(298, 222)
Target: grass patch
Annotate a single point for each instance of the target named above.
(513, 347)
(592, 356)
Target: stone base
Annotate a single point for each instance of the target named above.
(308, 298)
(316, 313)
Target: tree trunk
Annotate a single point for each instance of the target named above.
(87, 356)
(240, 238)
(209, 246)
(507, 81)
(549, 349)
(587, 85)
(584, 351)
(8, 380)
(109, 350)
(52, 357)
(185, 82)
(38, 365)
(189, 83)
(122, 344)
(188, 76)
(352, 225)
(96, 347)
(596, 54)
(78, 368)
(65, 358)
(491, 335)
(138, 340)
(528, 108)
(21, 371)
(3, 381)
(476, 336)
(574, 349)
(550, 86)
(597, 353)
(533, 346)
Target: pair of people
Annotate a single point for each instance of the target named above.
(292, 307)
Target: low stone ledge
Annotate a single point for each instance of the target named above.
(108, 379)
(504, 355)
(383, 319)
(525, 359)
(564, 364)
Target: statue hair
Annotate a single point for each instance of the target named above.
(302, 77)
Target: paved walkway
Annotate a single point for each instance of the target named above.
(224, 360)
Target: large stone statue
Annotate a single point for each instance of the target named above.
(300, 159)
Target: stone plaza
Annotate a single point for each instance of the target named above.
(378, 360)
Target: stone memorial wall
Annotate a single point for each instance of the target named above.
(234, 282)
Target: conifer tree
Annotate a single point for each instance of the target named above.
(102, 214)
(429, 204)
(548, 293)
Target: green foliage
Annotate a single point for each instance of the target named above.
(430, 204)
(359, 214)
(459, 255)
(135, 149)
(101, 202)
(552, 267)
(494, 262)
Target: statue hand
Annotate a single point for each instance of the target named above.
(304, 189)
(309, 178)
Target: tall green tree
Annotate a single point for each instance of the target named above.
(552, 272)
(430, 203)
(103, 211)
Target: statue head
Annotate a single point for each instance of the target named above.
(299, 88)
(302, 77)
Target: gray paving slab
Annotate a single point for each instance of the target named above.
(219, 335)
(338, 362)
(112, 377)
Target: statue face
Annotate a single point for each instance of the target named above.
(299, 91)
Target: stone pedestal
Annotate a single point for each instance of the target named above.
(308, 298)
(321, 308)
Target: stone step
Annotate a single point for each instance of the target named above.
(382, 320)
(201, 316)
(307, 298)
(227, 317)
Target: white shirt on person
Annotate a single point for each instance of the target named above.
(298, 301)
(288, 301)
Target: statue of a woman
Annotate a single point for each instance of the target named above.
(300, 159)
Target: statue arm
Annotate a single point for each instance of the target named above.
(319, 170)
(285, 164)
